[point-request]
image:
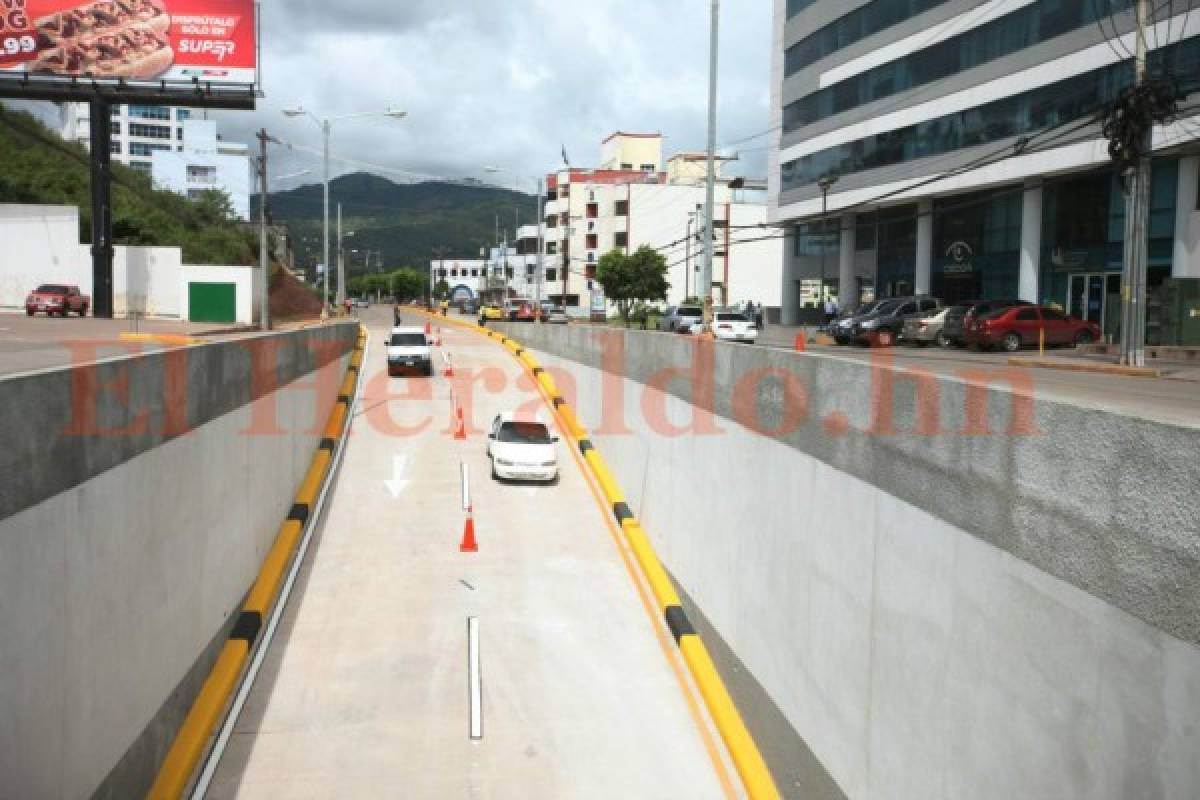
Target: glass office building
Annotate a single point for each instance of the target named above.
(960, 152)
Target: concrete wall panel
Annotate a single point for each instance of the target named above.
(935, 616)
(115, 586)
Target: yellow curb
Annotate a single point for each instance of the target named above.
(1100, 369)
(161, 338)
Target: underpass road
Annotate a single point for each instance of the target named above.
(364, 692)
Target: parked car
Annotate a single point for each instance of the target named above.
(955, 325)
(362, 302)
(733, 327)
(924, 329)
(492, 311)
(57, 298)
(1012, 328)
(680, 319)
(842, 328)
(557, 316)
(526, 311)
(882, 325)
(522, 450)
(408, 349)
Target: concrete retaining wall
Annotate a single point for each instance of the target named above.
(123, 552)
(939, 615)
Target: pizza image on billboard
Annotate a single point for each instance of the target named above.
(212, 41)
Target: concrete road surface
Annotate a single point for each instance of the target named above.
(365, 691)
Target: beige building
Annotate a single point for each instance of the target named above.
(632, 201)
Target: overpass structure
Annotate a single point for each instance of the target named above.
(237, 570)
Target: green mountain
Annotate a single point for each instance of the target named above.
(410, 223)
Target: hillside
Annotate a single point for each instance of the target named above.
(408, 222)
(37, 166)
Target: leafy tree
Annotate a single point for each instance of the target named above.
(441, 290)
(408, 284)
(633, 280)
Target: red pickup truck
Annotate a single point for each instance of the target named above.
(57, 298)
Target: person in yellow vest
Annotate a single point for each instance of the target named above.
(445, 307)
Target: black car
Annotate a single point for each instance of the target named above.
(883, 324)
(954, 329)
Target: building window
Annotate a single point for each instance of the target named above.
(475, 272)
(627, 166)
(593, 210)
(1009, 34)
(179, 134)
(1046, 107)
(141, 166)
(115, 128)
(182, 114)
(551, 248)
(146, 148)
(116, 111)
(844, 31)
(563, 219)
(621, 239)
(591, 258)
(593, 241)
(621, 208)
(149, 131)
(149, 112)
(551, 275)
(794, 7)
(552, 221)
(114, 148)
(864, 231)
(196, 194)
(201, 174)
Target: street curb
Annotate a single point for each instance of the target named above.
(174, 339)
(1100, 369)
(203, 717)
(747, 758)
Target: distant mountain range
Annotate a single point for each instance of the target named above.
(409, 223)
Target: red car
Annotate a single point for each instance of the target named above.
(1010, 329)
(57, 298)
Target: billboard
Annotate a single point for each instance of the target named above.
(194, 46)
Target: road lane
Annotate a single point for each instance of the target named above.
(365, 691)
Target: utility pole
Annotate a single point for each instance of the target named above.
(711, 178)
(341, 262)
(264, 261)
(325, 129)
(687, 256)
(1137, 203)
(825, 184)
(541, 246)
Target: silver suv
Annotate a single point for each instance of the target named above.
(680, 319)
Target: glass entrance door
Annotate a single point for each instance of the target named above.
(1096, 297)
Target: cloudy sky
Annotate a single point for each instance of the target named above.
(505, 82)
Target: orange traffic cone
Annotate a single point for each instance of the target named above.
(437, 338)
(449, 371)
(428, 328)
(800, 342)
(469, 545)
(460, 427)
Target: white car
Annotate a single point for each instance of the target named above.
(408, 348)
(522, 450)
(731, 327)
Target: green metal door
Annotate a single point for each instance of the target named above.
(212, 302)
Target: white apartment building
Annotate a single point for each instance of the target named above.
(139, 132)
(631, 201)
(204, 162)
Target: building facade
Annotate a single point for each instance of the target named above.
(204, 162)
(142, 132)
(631, 200)
(952, 147)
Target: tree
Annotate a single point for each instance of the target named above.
(408, 284)
(441, 290)
(633, 280)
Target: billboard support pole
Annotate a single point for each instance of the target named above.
(102, 248)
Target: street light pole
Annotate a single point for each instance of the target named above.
(326, 126)
(541, 246)
(1137, 203)
(711, 177)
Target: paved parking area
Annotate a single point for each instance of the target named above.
(33, 343)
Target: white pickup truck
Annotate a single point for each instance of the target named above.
(408, 349)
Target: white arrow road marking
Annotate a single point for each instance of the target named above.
(396, 484)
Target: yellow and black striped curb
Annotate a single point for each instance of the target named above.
(205, 713)
(747, 758)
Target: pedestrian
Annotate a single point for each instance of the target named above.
(395, 314)
(830, 311)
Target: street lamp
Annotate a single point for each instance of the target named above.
(825, 183)
(326, 126)
(541, 246)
